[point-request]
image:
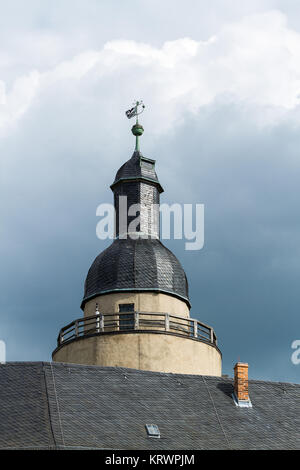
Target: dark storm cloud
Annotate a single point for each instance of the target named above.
(245, 279)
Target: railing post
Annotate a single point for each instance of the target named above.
(167, 322)
(195, 329)
(97, 313)
(212, 335)
(61, 337)
(136, 321)
(101, 322)
(76, 328)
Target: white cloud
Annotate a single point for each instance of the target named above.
(254, 61)
(14, 104)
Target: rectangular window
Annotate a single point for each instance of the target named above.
(126, 319)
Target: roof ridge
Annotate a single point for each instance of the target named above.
(120, 369)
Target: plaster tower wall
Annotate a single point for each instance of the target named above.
(145, 351)
(143, 302)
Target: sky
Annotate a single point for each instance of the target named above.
(221, 84)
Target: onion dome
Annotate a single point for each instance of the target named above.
(140, 265)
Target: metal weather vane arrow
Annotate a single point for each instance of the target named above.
(137, 129)
(134, 111)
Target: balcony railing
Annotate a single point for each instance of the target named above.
(136, 322)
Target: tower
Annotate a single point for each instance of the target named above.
(136, 304)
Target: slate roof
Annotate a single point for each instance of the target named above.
(57, 406)
(133, 169)
(136, 265)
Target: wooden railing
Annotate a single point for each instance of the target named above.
(136, 321)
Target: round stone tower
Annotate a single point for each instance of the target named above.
(136, 303)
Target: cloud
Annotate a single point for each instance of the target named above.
(254, 62)
(18, 101)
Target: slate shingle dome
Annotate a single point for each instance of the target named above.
(136, 265)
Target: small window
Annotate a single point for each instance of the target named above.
(126, 308)
(152, 430)
(126, 320)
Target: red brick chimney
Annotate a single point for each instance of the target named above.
(241, 381)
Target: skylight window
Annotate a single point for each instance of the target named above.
(152, 430)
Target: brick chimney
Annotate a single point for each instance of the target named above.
(241, 384)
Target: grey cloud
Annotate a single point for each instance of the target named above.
(244, 281)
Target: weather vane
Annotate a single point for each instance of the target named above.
(137, 129)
